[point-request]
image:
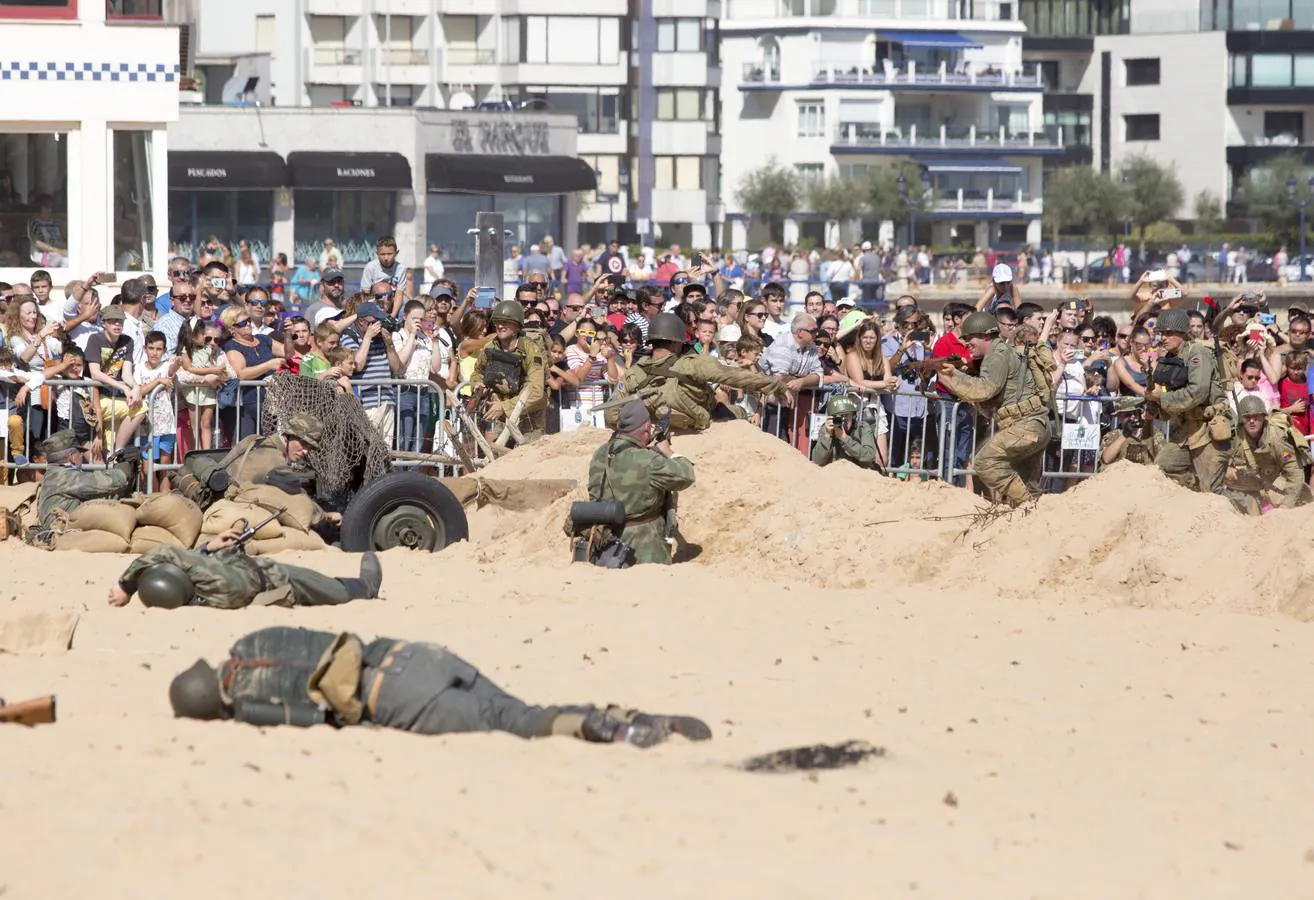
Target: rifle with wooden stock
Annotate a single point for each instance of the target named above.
(38, 711)
(926, 369)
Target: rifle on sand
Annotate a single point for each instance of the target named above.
(246, 531)
(39, 711)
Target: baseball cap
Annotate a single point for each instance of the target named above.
(845, 301)
(1002, 274)
(441, 290)
(369, 310)
(332, 273)
(326, 313)
(112, 313)
(866, 245)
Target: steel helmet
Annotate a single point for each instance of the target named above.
(1175, 320)
(842, 405)
(194, 694)
(1251, 406)
(165, 586)
(508, 311)
(979, 322)
(666, 327)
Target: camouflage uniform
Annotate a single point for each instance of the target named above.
(1142, 450)
(1012, 460)
(1273, 460)
(1190, 456)
(683, 385)
(640, 478)
(65, 488)
(857, 446)
(533, 384)
(230, 579)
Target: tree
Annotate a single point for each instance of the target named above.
(1153, 193)
(771, 192)
(836, 198)
(1263, 193)
(1078, 195)
(884, 200)
(1208, 210)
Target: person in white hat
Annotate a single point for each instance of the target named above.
(1002, 289)
(726, 339)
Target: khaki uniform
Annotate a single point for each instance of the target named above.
(1190, 456)
(1012, 460)
(641, 479)
(857, 446)
(533, 385)
(1273, 459)
(684, 386)
(254, 457)
(1142, 451)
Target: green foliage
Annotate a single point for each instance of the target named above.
(836, 198)
(1208, 209)
(884, 200)
(1078, 196)
(1152, 192)
(770, 192)
(1263, 194)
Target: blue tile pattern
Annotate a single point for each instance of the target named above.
(88, 71)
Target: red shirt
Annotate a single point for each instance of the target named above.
(1289, 392)
(950, 344)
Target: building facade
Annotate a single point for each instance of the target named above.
(87, 97)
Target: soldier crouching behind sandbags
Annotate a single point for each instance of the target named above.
(67, 485)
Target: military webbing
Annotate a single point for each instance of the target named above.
(663, 369)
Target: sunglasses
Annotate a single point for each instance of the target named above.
(573, 306)
(206, 301)
(184, 296)
(257, 303)
(1088, 339)
(180, 273)
(242, 323)
(756, 315)
(383, 296)
(1122, 336)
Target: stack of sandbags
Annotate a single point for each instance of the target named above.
(270, 538)
(167, 520)
(99, 526)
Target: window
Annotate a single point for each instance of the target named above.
(679, 173)
(395, 95)
(1286, 127)
(266, 35)
(231, 216)
(564, 40)
(448, 215)
(684, 104)
(598, 110)
(810, 173)
(34, 175)
(1141, 127)
(354, 219)
(1142, 71)
(134, 223)
(857, 171)
(1272, 70)
(679, 35)
(811, 119)
(42, 9)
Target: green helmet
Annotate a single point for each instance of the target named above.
(306, 427)
(842, 405)
(1175, 320)
(979, 322)
(508, 311)
(1251, 406)
(194, 694)
(666, 327)
(165, 586)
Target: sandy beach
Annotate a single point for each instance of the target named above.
(1107, 696)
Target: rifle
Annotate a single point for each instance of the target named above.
(39, 711)
(247, 530)
(926, 369)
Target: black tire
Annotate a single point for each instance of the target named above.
(403, 509)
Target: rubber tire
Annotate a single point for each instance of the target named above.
(383, 494)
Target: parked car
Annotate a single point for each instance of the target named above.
(1291, 271)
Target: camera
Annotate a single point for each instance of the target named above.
(388, 323)
(1133, 425)
(1267, 318)
(837, 421)
(920, 336)
(1171, 293)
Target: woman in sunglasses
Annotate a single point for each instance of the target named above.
(254, 357)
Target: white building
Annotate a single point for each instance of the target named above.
(641, 86)
(838, 87)
(86, 101)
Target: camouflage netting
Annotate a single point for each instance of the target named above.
(352, 453)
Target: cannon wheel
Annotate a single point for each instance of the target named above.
(403, 509)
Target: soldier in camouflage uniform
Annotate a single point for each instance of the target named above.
(1011, 461)
(67, 486)
(253, 458)
(299, 677)
(631, 469)
(1135, 439)
(684, 382)
(1267, 464)
(220, 575)
(511, 370)
(1199, 417)
(850, 439)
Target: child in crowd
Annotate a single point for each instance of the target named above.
(342, 365)
(314, 364)
(914, 462)
(16, 386)
(559, 368)
(203, 369)
(704, 337)
(156, 382)
(1293, 389)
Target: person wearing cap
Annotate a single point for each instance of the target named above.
(376, 359)
(642, 474)
(1010, 462)
(727, 336)
(1188, 388)
(1266, 467)
(252, 459)
(1135, 439)
(849, 314)
(1001, 289)
(332, 282)
(67, 485)
(110, 357)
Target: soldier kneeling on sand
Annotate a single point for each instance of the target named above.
(1266, 468)
(293, 676)
(1135, 439)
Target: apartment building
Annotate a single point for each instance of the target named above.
(1214, 89)
(842, 87)
(638, 75)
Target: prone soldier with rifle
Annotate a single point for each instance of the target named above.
(220, 575)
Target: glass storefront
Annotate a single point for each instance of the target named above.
(133, 230)
(228, 216)
(353, 219)
(34, 200)
(528, 218)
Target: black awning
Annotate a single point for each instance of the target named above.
(236, 170)
(348, 171)
(473, 174)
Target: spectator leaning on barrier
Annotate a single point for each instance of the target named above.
(792, 357)
(157, 386)
(253, 357)
(416, 353)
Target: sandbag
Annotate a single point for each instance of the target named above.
(172, 512)
(148, 537)
(301, 510)
(105, 515)
(268, 545)
(91, 542)
(221, 516)
(302, 540)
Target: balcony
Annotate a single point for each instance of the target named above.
(875, 138)
(134, 10)
(401, 65)
(468, 65)
(959, 78)
(891, 10)
(335, 65)
(970, 202)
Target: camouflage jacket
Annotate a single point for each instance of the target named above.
(228, 579)
(857, 446)
(66, 488)
(684, 386)
(1138, 450)
(641, 479)
(1190, 408)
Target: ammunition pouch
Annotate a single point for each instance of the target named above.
(504, 372)
(1015, 412)
(1171, 373)
(1219, 417)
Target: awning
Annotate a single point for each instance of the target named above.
(971, 166)
(941, 40)
(474, 174)
(238, 170)
(349, 171)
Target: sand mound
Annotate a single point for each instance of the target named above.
(760, 510)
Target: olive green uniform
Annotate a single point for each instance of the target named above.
(1141, 450)
(640, 479)
(230, 579)
(1190, 456)
(857, 446)
(1012, 460)
(65, 488)
(533, 384)
(254, 457)
(1273, 461)
(683, 385)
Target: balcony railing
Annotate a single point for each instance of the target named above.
(761, 74)
(402, 56)
(470, 56)
(970, 200)
(337, 56)
(896, 10)
(875, 134)
(963, 75)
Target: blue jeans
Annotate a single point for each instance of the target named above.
(958, 445)
(413, 411)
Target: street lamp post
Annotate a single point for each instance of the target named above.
(912, 201)
(1302, 205)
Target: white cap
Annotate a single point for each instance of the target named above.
(1157, 275)
(845, 301)
(325, 314)
(729, 333)
(866, 245)
(1001, 274)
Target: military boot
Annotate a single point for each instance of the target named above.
(366, 587)
(640, 729)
